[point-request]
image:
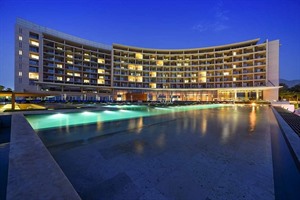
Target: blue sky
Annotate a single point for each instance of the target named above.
(159, 24)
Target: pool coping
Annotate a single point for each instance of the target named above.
(33, 173)
(292, 139)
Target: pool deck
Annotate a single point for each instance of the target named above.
(140, 165)
(32, 173)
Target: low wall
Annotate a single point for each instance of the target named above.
(33, 173)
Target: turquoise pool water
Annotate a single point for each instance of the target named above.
(120, 112)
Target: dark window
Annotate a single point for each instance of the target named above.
(20, 80)
(33, 62)
(34, 49)
(33, 69)
(31, 82)
(33, 35)
(20, 30)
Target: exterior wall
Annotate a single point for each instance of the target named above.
(75, 68)
(273, 70)
(23, 62)
(236, 65)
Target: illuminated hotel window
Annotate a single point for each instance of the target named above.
(101, 60)
(33, 75)
(34, 56)
(68, 79)
(34, 43)
(86, 80)
(70, 74)
(20, 73)
(20, 52)
(139, 79)
(186, 64)
(20, 38)
(101, 71)
(86, 54)
(59, 65)
(139, 56)
(186, 81)
(131, 67)
(59, 78)
(152, 85)
(152, 74)
(76, 74)
(233, 66)
(59, 48)
(139, 67)
(86, 59)
(100, 81)
(178, 75)
(70, 56)
(131, 78)
(178, 64)
(234, 53)
(234, 78)
(70, 62)
(226, 73)
(159, 63)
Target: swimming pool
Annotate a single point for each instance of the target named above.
(119, 112)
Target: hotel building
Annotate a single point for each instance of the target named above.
(72, 68)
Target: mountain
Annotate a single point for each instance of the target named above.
(289, 83)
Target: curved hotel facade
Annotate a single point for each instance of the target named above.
(73, 68)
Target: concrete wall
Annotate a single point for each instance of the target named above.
(272, 70)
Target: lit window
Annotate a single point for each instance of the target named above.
(178, 75)
(59, 48)
(70, 62)
(152, 85)
(226, 73)
(139, 56)
(152, 74)
(86, 54)
(233, 66)
(131, 78)
(159, 63)
(20, 38)
(20, 73)
(100, 81)
(86, 59)
(139, 67)
(70, 74)
(34, 56)
(101, 60)
(131, 67)
(59, 78)
(101, 71)
(34, 43)
(59, 65)
(76, 74)
(234, 79)
(20, 52)
(139, 79)
(70, 56)
(186, 81)
(186, 64)
(86, 80)
(234, 53)
(33, 75)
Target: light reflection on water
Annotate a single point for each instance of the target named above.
(225, 124)
(252, 119)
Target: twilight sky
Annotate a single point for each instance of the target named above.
(162, 24)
